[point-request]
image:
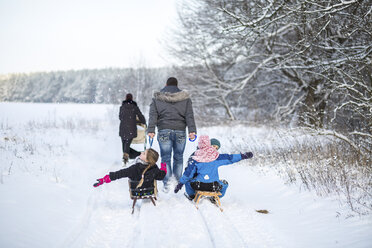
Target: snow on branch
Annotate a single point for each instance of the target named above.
(339, 136)
(244, 82)
(330, 9)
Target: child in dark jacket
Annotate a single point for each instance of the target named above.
(144, 171)
(203, 171)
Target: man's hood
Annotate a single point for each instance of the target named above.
(172, 97)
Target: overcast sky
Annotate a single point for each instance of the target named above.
(45, 35)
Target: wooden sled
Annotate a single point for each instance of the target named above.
(139, 143)
(141, 134)
(142, 193)
(199, 194)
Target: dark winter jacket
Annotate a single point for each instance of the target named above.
(171, 108)
(134, 172)
(128, 114)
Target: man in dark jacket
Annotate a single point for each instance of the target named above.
(129, 112)
(171, 111)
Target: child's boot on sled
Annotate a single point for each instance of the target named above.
(125, 158)
(189, 197)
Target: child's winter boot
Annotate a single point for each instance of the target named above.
(190, 197)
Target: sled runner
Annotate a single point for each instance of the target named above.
(214, 195)
(143, 192)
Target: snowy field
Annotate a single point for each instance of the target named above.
(51, 154)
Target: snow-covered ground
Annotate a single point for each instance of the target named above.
(51, 154)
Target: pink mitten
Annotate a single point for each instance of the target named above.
(100, 182)
(105, 179)
(163, 167)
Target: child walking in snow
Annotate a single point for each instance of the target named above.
(144, 171)
(206, 162)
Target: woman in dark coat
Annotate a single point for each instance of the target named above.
(128, 115)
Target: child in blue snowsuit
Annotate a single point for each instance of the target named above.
(202, 169)
(188, 173)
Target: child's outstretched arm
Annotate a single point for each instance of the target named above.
(226, 159)
(115, 175)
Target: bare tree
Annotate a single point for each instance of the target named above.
(208, 54)
(318, 53)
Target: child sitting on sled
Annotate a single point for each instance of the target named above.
(187, 175)
(206, 162)
(144, 170)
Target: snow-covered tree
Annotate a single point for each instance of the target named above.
(316, 54)
(83, 86)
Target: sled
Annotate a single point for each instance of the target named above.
(141, 134)
(142, 193)
(138, 143)
(215, 195)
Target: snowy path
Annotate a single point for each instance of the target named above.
(174, 222)
(47, 170)
(295, 218)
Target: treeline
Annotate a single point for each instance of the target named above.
(83, 86)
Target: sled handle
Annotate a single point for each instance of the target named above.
(192, 140)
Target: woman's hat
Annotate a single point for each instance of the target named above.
(129, 97)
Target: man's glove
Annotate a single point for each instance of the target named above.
(247, 155)
(105, 179)
(178, 187)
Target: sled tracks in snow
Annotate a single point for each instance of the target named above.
(237, 227)
(175, 222)
(77, 232)
(221, 230)
(101, 219)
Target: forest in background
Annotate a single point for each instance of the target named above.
(83, 86)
